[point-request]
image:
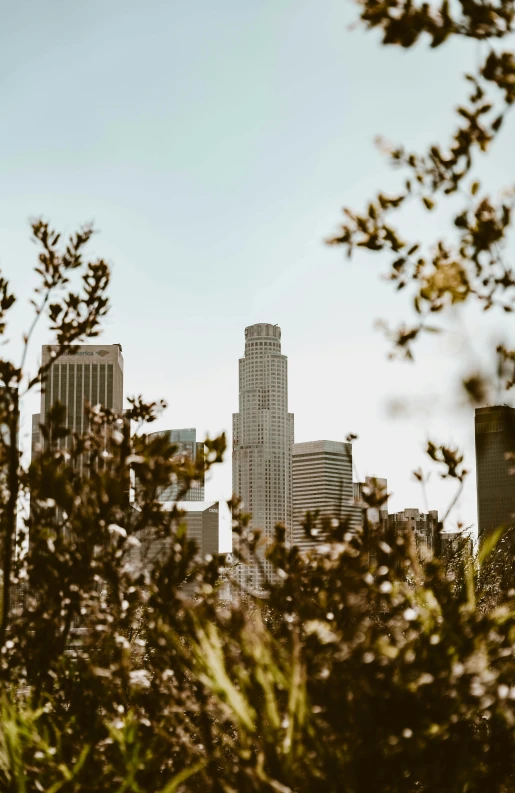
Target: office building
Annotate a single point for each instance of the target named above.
(263, 433)
(90, 373)
(202, 521)
(424, 527)
(87, 374)
(36, 439)
(186, 442)
(371, 498)
(322, 481)
(495, 467)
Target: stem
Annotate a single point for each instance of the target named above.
(453, 502)
(35, 321)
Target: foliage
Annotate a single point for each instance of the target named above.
(470, 265)
(361, 667)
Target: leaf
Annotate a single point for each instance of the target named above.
(182, 776)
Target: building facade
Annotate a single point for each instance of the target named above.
(202, 521)
(90, 374)
(495, 462)
(322, 480)
(263, 432)
(186, 442)
(456, 542)
(424, 527)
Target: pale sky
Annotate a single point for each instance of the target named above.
(213, 144)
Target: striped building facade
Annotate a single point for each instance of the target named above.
(322, 480)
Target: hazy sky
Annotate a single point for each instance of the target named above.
(213, 144)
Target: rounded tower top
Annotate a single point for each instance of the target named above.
(263, 330)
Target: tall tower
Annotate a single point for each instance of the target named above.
(263, 432)
(495, 462)
(91, 373)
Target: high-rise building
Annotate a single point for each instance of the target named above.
(81, 375)
(495, 467)
(322, 480)
(88, 374)
(202, 521)
(186, 442)
(263, 432)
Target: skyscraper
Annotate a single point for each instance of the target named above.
(322, 480)
(93, 374)
(186, 442)
(495, 461)
(263, 432)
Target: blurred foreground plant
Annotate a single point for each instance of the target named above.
(359, 668)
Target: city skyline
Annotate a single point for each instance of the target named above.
(398, 501)
(76, 382)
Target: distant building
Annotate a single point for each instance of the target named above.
(423, 525)
(371, 498)
(454, 541)
(495, 467)
(87, 374)
(186, 442)
(322, 480)
(36, 438)
(202, 520)
(263, 435)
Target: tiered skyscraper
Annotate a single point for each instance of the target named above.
(263, 432)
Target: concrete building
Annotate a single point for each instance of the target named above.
(263, 432)
(186, 442)
(371, 498)
(495, 462)
(202, 520)
(36, 439)
(91, 374)
(322, 480)
(424, 527)
(455, 542)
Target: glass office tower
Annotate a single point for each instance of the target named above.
(186, 442)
